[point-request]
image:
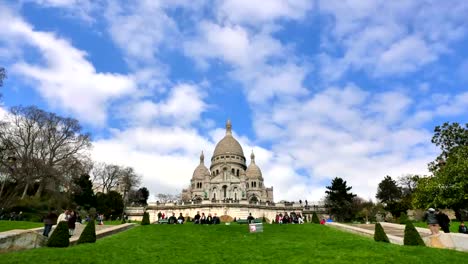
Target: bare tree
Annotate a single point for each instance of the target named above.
(44, 146)
(106, 177)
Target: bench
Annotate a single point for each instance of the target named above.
(245, 221)
(163, 221)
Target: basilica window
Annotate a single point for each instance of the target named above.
(217, 172)
(237, 173)
(233, 171)
(260, 184)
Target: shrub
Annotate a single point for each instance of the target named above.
(412, 237)
(89, 233)
(403, 218)
(379, 234)
(315, 218)
(60, 236)
(145, 220)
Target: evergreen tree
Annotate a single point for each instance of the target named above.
(379, 234)
(412, 237)
(83, 194)
(388, 190)
(145, 220)
(403, 218)
(89, 233)
(60, 236)
(339, 199)
(315, 218)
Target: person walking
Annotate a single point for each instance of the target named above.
(444, 221)
(71, 223)
(49, 220)
(431, 217)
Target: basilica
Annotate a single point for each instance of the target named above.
(228, 178)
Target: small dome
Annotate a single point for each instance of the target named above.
(253, 171)
(201, 171)
(228, 145)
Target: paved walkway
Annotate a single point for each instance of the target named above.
(398, 231)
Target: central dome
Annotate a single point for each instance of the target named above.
(228, 145)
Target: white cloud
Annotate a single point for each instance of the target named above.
(183, 105)
(257, 12)
(386, 37)
(66, 79)
(82, 9)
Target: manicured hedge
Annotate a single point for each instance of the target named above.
(145, 220)
(89, 233)
(379, 234)
(60, 236)
(315, 218)
(412, 237)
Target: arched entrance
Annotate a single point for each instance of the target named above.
(253, 199)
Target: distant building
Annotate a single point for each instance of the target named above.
(228, 179)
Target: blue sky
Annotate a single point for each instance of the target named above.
(318, 89)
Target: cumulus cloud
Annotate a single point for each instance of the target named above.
(385, 37)
(66, 79)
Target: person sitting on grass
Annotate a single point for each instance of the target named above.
(300, 220)
(209, 219)
(196, 219)
(216, 220)
(172, 219)
(180, 219)
(250, 218)
(462, 228)
(202, 219)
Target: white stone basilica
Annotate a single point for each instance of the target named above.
(228, 179)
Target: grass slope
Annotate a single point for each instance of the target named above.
(10, 225)
(233, 244)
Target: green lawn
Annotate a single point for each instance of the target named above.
(233, 244)
(10, 225)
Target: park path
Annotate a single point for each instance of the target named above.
(398, 231)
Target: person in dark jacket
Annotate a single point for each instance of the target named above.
(172, 219)
(444, 221)
(462, 228)
(209, 219)
(49, 220)
(196, 219)
(216, 219)
(431, 217)
(180, 219)
(250, 218)
(71, 223)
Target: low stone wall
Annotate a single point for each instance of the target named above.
(442, 240)
(365, 232)
(17, 239)
(14, 240)
(234, 210)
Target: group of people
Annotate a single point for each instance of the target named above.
(437, 219)
(202, 219)
(293, 218)
(12, 216)
(197, 219)
(69, 216)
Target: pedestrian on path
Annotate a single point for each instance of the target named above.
(431, 217)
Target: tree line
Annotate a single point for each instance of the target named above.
(45, 163)
(445, 187)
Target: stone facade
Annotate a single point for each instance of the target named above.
(228, 179)
(229, 189)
